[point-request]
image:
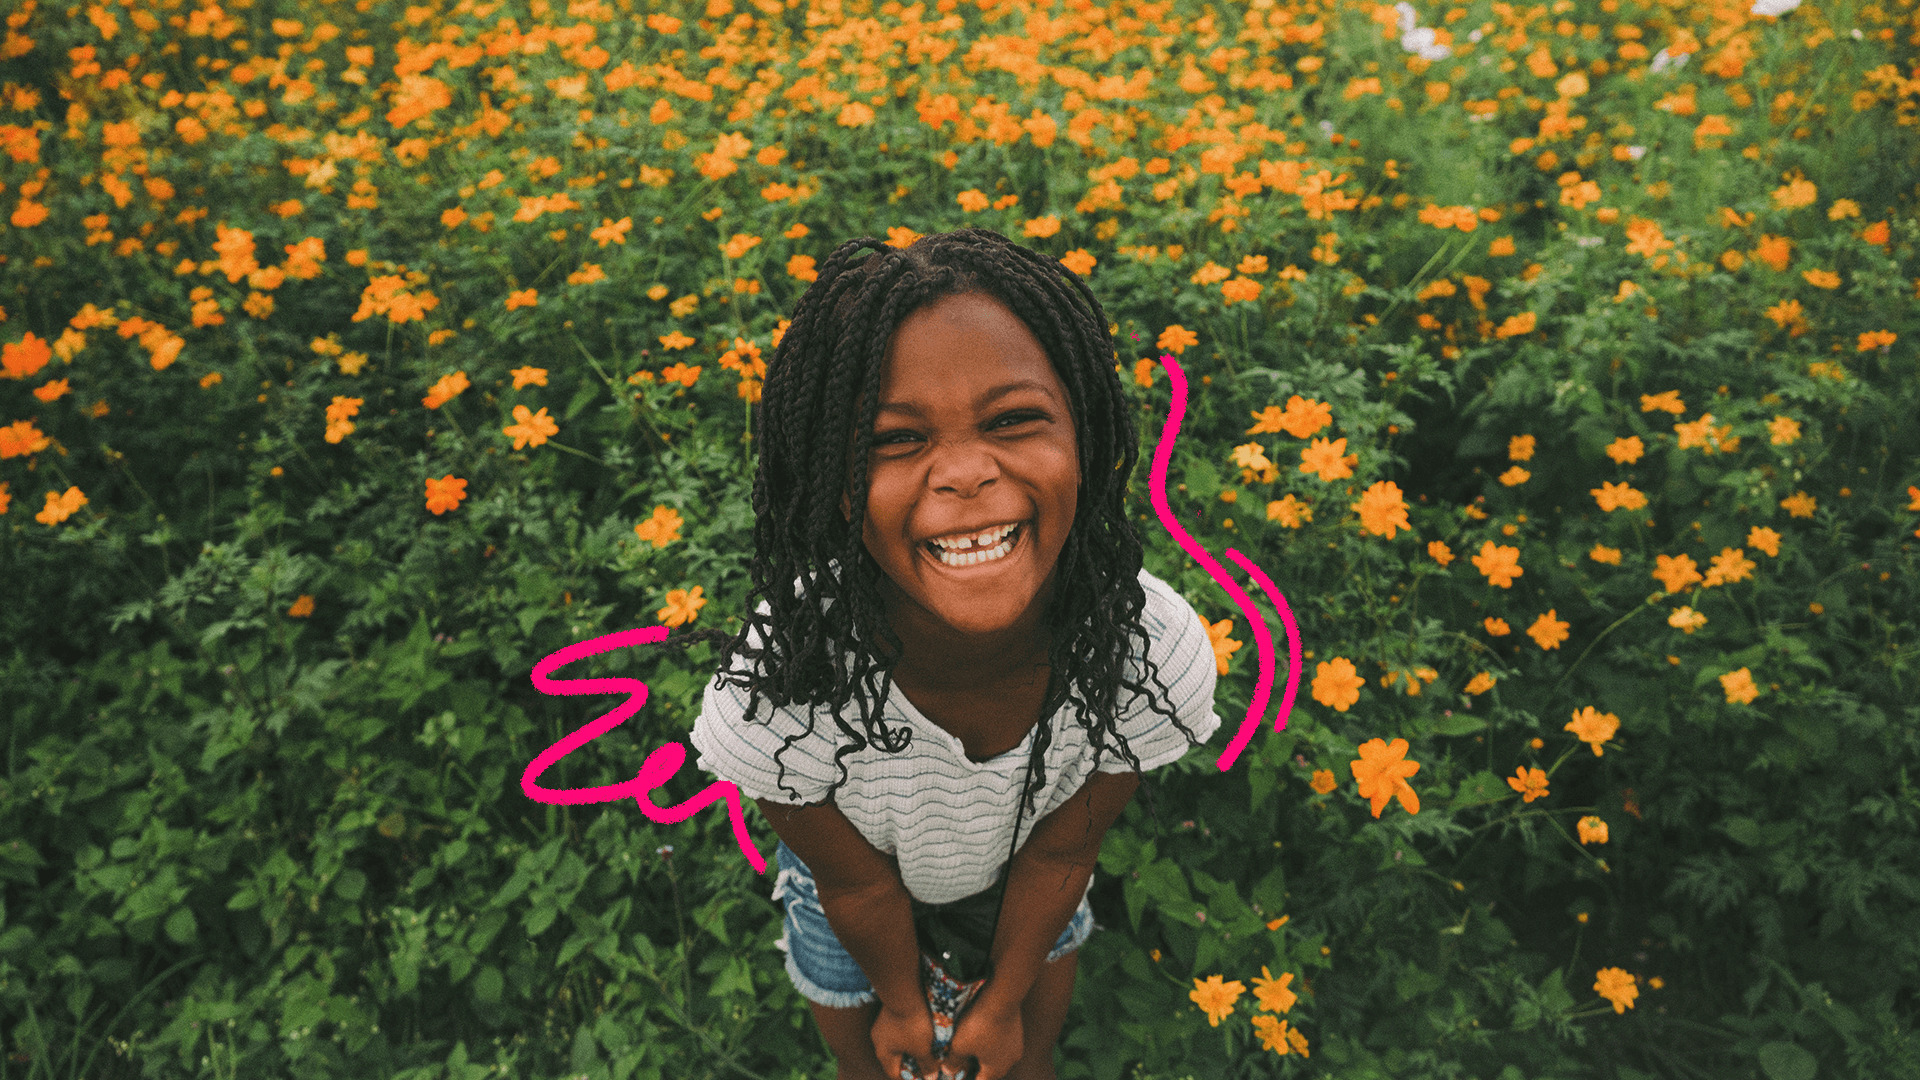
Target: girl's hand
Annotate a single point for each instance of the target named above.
(990, 1034)
(900, 1034)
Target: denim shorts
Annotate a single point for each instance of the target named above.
(822, 969)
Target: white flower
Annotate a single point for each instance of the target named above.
(1475, 36)
(1663, 60)
(1588, 241)
(1409, 18)
(1326, 127)
(1636, 152)
(1775, 8)
(1420, 40)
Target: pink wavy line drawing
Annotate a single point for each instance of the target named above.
(660, 765)
(1157, 489)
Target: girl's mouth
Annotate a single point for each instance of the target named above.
(998, 553)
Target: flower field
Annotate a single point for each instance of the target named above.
(357, 355)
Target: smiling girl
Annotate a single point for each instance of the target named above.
(942, 542)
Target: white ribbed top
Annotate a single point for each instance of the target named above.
(946, 819)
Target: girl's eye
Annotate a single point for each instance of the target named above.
(893, 438)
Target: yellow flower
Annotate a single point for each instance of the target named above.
(1382, 772)
(1216, 997)
(1686, 619)
(1480, 683)
(1626, 450)
(1739, 687)
(1273, 993)
(1336, 683)
(1381, 509)
(1593, 830)
(1593, 727)
(1616, 985)
(1799, 504)
(1548, 631)
(662, 528)
(682, 606)
(1530, 783)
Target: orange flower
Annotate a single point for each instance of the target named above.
(1383, 772)
(1272, 993)
(1289, 511)
(1604, 554)
(1799, 504)
(1323, 781)
(1530, 783)
(1612, 496)
(1325, 459)
(1216, 997)
(21, 437)
(1739, 687)
(1667, 401)
(1336, 683)
(446, 389)
(683, 606)
(1497, 627)
(1302, 417)
(1382, 511)
(1501, 564)
(1480, 683)
(1593, 727)
(1764, 539)
(1548, 631)
(1783, 429)
(1729, 566)
(530, 427)
(1696, 432)
(445, 493)
(22, 359)
(1626, 450)
(1686, 620)
(1520, 448)
(61, 507)
(1617, 986)
(302, 607)
(1175, 339)
(1515, 476)
(1440, 552)
(1593, 830)
(1224, 645)
(662, 528)
(1676, 572)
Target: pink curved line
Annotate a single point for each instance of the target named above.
(660, 765)
(1157, 489)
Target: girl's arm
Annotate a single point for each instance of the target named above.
(1045, 883)
(860, 889)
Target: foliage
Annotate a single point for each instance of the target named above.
(270, 622)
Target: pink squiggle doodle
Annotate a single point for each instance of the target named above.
(660, 765)
(1157, 489)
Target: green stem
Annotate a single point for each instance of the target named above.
(1651, 600)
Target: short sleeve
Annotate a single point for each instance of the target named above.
(1182, 651)
(734, 749)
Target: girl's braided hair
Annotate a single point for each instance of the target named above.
(816, 418)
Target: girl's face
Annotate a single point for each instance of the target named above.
(974, 432)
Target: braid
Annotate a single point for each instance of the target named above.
(815, 418)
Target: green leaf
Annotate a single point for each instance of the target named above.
(1744, 830)
(540, 918)
(1479, 789)
(1459, 724)
(350, 885)
(181, 927)
(488, 985)
(1785, 1061)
